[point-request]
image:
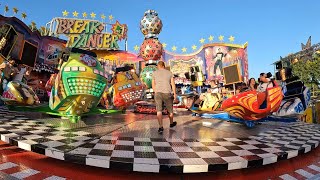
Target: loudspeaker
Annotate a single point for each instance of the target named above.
(187, 75)
(279, 65)
(288, 72)
(193, 77)
(278, 77)
(232, 74)
(191, 70)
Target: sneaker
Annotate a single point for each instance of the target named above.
(173, 124)
(160, 131)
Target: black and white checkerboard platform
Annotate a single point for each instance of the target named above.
(159, 155)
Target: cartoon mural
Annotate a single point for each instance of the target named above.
(112, 59)
(50, 50)
(218, 57)
(180, 64)
(212, 58)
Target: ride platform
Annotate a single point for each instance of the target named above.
(131, 142)
(249, 123)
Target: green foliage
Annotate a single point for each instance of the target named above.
(309, 71)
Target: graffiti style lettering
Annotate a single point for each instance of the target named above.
(76, 27)
(106, 40)
(92, 41)
(72, 39)
(95, 27)
(89, 34)
(148, 109)
(99, 41)
(64, 26)
(84, 28)
(114, 44)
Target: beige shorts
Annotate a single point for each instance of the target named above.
(167, 99)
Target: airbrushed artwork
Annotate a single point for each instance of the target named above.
(211, 58)
(218, 57)
(50, 50)
(79, 85)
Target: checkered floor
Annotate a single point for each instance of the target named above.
(156, 154)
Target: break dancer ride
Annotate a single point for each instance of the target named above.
(126, 88)
(151, 51)
(286, 101)
(247, 105)
(79, 85)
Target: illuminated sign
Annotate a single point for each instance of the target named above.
(90, 34)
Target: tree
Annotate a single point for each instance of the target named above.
(309, 71)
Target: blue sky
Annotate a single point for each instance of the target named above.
(272, 28)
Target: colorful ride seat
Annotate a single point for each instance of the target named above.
(18, 93)
(247, 105)
(127, 89)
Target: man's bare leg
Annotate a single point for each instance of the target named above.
(170, 115)
(159, 116)
(172, 124)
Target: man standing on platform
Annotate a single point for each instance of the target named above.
(163, 86)
(219, 56)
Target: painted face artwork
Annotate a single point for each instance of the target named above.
(88, 60)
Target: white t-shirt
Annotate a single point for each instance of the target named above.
(215, 90)
(263, 86)
(20, 75)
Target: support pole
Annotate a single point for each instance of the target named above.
(126, 45)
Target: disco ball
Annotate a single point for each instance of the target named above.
(151, 24)
(151, 49)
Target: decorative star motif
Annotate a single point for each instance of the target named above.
(24, 15)
(164, 45)
(202, 40)
(120, 30)
(65, 13)
(184, 49)
(221, 38)
(75, 14)
(84, 14)
(210, 38)
(103, 16)
(93, 15)
(194, 47)
(111, 17)
(231, 38)
(174, 48)
(15, 10)
(136, 47)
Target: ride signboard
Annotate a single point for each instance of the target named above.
(90, 34)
